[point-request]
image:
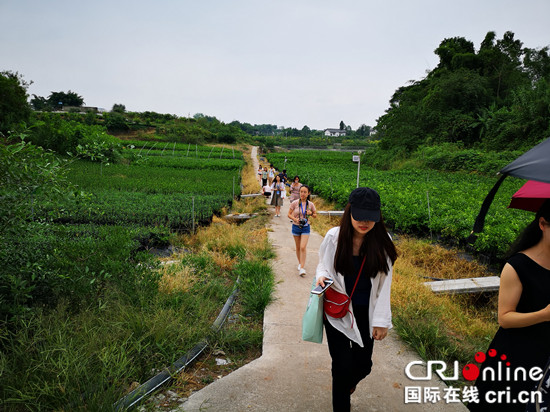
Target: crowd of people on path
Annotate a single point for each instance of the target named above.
(357, 258)
(301, 208)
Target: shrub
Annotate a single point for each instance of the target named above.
(43, 264)
(72, 137)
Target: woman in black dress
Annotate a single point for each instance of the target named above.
(523, 339)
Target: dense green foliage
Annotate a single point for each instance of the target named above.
(65, 360)
(447, 157)
(37, 188)
(56, 101)
(497, 98)
(420, 201)
(71, 137)
(82, 309)
(14, 108)
(27, 173)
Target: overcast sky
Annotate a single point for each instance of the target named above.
(285, 62)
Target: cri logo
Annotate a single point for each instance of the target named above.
(471, 371)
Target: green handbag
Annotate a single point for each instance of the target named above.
(312, 322)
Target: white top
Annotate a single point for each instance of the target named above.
(379, 303)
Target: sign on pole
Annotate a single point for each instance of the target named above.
(357, 158)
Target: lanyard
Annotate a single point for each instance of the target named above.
(302, 210)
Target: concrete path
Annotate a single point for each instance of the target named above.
(293, 375)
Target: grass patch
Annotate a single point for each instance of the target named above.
(90, 359)
(323, 223)
(87, 360)
(439, 327)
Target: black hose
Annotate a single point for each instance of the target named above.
(144, 390)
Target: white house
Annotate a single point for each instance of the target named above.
(334, 132)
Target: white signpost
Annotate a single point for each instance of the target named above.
(357, 159)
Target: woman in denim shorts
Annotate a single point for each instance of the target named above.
(299, 212)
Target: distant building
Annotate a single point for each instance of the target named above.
(334, 132)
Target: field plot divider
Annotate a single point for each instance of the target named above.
(193, 214)
(154, 144)
(142, 148)
(429, 214)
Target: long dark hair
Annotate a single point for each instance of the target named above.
(532, 234)
(307, 198)
(377, 246)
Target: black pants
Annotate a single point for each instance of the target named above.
(350, 362)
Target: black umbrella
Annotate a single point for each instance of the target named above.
(533, 165)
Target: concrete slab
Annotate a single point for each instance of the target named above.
(469, 285)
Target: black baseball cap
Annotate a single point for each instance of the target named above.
(365, 204)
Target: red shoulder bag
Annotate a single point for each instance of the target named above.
(336, 304)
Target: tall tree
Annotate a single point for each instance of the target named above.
(14, 108)
(497, 97)
(39, 103)
(537, 64)
(363, 130)
(118, 108)
(59, 99)
(455, 52)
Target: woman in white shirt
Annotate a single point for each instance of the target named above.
(271, 174)
(359, 252)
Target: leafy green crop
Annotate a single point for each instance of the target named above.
(416, 201)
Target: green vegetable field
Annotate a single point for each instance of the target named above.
(442, 204)
(159, 189)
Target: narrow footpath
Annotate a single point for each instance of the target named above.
(293, 375)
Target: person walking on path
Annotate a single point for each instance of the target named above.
(260, 171)
(277, 195)
(299, 212)
(358, 256)
(271, 174)
(264, 177)
(295, 189)
(284, 176)
(524, 317)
